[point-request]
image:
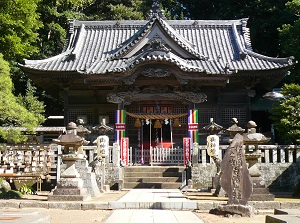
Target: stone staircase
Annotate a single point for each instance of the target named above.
(156, 177)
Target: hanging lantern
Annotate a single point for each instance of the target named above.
(176, 123)
(137, 123)
(157, 124)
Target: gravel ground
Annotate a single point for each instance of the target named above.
(75, 216)
(211, 218)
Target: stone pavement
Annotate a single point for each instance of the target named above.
(171, 199)
(152, 216)
(154, 206)
(24, 216)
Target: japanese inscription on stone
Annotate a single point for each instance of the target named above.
(235, 179)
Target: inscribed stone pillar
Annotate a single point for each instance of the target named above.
(235, 179)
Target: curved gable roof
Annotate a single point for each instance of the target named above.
(206, 47)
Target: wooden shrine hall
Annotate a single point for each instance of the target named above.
(158, 73)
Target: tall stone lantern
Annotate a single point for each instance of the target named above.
(252, 139)
(77, 182)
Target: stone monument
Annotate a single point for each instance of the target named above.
(235, 180)
(77, 182)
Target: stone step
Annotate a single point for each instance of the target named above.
(261, 191)
(159, 169)
(69, 191)
(287, 211)
(166, 177)
(154, 185)
(152, 179)
(152, 174)
(262, 197)
(69, 197)
(282, 218)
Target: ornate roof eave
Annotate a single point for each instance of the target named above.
(281, 71)
(286, 62)
(246, 50)
(161, 71)
(53, 74)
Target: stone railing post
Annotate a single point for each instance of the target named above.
(116, 154)
(195, 154)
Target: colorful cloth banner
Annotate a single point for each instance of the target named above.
(120, 126)
(186, 150)
(193, 125)
(125, 150)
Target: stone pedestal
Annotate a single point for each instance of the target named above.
(77, 182)
(70, 186)
(88, 177)
(260, 191)
(234, 209)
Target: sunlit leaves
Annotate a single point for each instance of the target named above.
(16, 112)
(19, 23)
(286, 114)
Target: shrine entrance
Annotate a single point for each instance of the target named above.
(156, 128)
(158, 133)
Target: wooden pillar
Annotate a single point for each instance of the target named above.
(65, 95)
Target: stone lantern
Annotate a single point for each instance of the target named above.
(234, 129)
(76, 182)
(252, 139)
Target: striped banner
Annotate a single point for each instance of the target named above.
(120, 125)
(193, 125)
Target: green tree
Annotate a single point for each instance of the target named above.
(286, 114)
(265, 16)
(115, 9)
(55, 16)
(18, 25)
(16, 111)
(289, 35)
(123, 12)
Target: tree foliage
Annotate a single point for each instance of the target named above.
(286, 114)
(115, 9)
(16, 111)
(264, 17)
(55, 16)
(19, 23)
(290, 38)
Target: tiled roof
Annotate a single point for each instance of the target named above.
(211, 46)
(38, 129)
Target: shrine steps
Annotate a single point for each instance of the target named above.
(156, 177)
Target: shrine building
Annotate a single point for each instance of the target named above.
(172, 75)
